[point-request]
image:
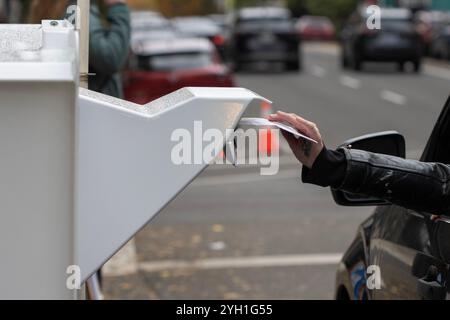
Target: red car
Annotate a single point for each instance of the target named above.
(316, 28)
(160, 67)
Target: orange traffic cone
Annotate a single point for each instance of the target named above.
(268, 141)
(266, 109)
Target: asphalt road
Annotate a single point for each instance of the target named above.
(234, 234)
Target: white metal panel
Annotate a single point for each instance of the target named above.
(38, 90)
(125, 172)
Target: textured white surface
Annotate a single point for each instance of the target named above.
(44, 52)
(15, 40)
(153, 107)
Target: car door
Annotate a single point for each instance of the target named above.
(412, 248)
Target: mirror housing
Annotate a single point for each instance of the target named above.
(389, 143)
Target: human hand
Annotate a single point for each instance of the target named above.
(305, 151)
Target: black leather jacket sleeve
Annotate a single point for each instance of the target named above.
(411, 184)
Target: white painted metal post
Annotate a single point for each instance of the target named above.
(82, 26)
(39, 91)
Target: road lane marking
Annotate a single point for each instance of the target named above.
(332, 49)
(350, 82)
(125, 262)
(393, 97)
(245, 178)
(318, 71)
(441, 73)
(244, 262)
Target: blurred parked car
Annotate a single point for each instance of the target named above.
(222, 21)
(148, 20)
(397, 40)
(160, 67)
(265, 34)
(157, 34)
(440, 45)
(150, 25)
(202, 27)
(429, 24)
(316, 28)
(409, 249)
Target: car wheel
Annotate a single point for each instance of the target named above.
(293, 66)
(417, 66)
(357, 64)
(447, 53)
(344, 61)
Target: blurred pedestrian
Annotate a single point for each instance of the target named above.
(109, 38)
(3, 11)
(108, 46)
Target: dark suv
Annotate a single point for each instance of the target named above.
(410, 249)
(396, 41)
(265, 34)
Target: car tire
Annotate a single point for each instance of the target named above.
(401, 66)
(357, 64)
(447, 53)
(344, 62)
(417, 66)
(294, 66)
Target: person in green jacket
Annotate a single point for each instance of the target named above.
(108, 46)
(110, 34)
(109, 40)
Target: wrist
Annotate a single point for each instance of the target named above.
(328, 170)
(317, 152)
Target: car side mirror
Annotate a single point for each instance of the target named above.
(390, 143)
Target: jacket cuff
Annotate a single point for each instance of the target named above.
(328, 169)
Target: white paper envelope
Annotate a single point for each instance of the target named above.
(260, 122)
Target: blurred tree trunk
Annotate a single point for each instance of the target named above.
(172, 8)
(297, 7)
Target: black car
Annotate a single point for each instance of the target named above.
(440, 44)
(396, 41)
(409, 249)
(265, 34)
